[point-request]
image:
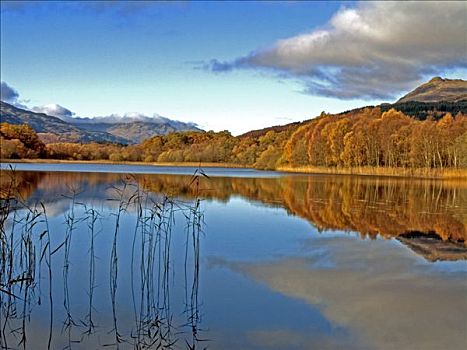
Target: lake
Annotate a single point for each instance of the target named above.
(144, 257)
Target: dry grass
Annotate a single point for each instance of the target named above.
(373, 171)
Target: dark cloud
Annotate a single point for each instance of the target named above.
(8, 94)
(374, 50)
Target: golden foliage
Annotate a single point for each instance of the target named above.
(365, 138)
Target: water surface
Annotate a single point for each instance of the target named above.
(275, 261)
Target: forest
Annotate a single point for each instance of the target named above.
(424, 110)
(367, 137)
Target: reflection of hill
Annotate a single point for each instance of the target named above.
(370, 206)
(432, 248)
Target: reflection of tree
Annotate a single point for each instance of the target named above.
(21, 184)
(370, 206)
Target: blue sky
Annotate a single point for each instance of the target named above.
(102, 58)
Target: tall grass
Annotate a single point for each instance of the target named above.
(447, 173)
(27, 260)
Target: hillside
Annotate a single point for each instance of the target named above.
(52, 129)
(276, 128)
(135, 130)
(423, 110)
(437, 90)
(125, 130)
(432, 99)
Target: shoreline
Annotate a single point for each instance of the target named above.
(423, 173)
(407, 173)
(160, 164)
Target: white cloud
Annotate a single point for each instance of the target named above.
(128, 117)
(131, 117)
(55, 110)
(375, 50)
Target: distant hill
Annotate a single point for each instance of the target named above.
(139, 131)
(437, 90)
(53, 129)
(134, 129)
(114, 129)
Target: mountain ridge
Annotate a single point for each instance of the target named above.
(112, 129)
(437, 90)
(47, 125)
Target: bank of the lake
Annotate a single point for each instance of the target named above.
(103, 161)
(426, 173)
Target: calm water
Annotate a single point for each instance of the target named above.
(266, 261)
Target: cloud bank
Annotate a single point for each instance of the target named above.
(374, 50)
(131, 117)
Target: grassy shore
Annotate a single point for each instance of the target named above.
(363, 171)
(380, 171)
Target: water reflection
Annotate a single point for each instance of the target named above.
(430, 217)
(261, 277)
(42, 257)
(385, 300)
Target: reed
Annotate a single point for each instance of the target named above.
(28, 257)
(429, 173)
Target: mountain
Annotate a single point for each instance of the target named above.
(433, 99)
(437, 90)
(131, 128)
(53, 129)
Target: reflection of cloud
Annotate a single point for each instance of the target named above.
(56, 208)
(288, 339)
(376, 291)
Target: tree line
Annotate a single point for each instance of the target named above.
(368, 137)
